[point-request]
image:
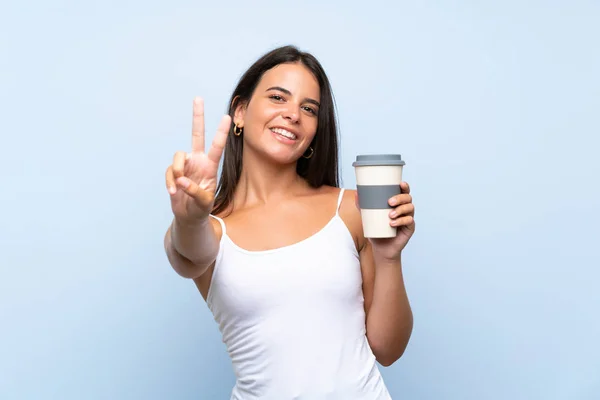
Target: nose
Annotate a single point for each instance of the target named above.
(291, 113)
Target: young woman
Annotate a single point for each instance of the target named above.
(305, 304)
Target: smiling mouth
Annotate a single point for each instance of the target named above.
(284, 133)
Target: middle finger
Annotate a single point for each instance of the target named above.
(404, 209)
(198, 126)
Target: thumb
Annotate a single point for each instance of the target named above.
(201, 197)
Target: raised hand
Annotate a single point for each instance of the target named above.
(192, 178)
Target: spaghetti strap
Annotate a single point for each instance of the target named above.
(339, 202)
(221, 222)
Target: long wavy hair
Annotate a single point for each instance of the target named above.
(322, 167)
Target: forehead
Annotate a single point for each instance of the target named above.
(296, 78)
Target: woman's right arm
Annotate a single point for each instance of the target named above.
(192, 240)
(192, 249)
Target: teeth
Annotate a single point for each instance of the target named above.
(285, 133)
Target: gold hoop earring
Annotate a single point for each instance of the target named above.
(237, 131)
(312, 151)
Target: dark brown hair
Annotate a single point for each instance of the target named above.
(322, 167)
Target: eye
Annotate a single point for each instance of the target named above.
(276, 97)
(310, 110)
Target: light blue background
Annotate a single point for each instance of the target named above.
(494, 105)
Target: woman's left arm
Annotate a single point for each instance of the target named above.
(389, 316)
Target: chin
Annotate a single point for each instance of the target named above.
(281, 157)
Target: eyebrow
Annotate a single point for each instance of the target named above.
(308, 100)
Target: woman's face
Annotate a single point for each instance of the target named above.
(280, 121)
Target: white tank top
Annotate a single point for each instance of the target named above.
(293, 319)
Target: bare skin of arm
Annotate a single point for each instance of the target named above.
(191, 250)
(389, 318)
(389, 315)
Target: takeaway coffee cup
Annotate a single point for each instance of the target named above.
(378, 177)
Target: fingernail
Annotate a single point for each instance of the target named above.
(393, 214)
(393, 201)
(172, 189)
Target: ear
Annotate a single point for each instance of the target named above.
(239, 112)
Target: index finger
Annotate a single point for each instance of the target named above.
(198, 125)
(405, 187)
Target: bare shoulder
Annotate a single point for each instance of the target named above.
(350, 214)
(217, 227)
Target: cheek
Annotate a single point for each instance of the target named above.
(311, 127)
(259, 117)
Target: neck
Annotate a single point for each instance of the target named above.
(262, 182)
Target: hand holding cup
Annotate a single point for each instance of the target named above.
(385, 203)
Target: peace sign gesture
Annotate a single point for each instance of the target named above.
(192, 178)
